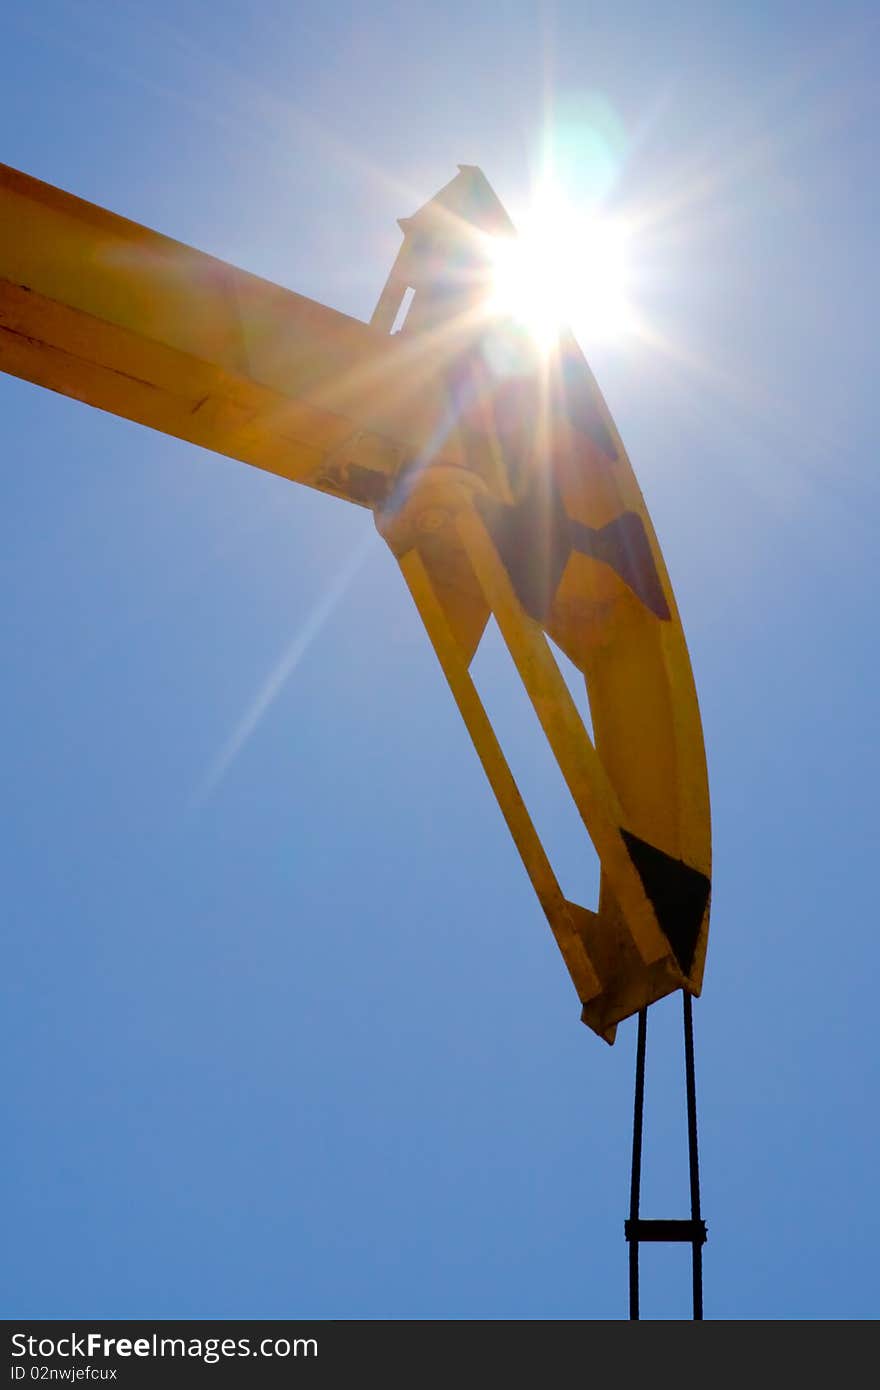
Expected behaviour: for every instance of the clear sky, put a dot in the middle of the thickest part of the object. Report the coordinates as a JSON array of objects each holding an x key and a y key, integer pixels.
[{"x": 287, "y": 1032}]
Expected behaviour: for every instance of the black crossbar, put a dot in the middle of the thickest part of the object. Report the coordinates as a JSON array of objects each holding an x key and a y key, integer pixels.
[{"x": 691, "y": 1232}]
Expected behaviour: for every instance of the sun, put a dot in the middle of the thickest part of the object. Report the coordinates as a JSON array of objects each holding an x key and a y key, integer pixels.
[{"x": 564, "y": 270}]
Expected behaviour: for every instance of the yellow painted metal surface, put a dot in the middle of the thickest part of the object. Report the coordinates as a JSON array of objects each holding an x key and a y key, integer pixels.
[
  {"x": 99, "y": 308},
  {"x": 495, "y": 474}
]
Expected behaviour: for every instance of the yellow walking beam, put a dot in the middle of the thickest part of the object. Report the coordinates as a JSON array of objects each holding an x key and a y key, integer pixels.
[
  {"x": 494, "y": 472},
  {"x": 113, "y": 314}
]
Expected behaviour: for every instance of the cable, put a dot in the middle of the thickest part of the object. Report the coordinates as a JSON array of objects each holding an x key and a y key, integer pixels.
[
  {"x": 636, "y": 1176},
  {"x": 693, "y": 1155}
]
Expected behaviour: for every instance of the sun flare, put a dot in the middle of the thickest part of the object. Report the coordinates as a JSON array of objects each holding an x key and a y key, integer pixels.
[{"x": 564, "y": 270}]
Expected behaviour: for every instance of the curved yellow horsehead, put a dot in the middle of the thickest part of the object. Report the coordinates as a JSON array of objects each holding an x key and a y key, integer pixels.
[
  {"x": 540, "y": 522},
  {"x": 498, "y": 480}
]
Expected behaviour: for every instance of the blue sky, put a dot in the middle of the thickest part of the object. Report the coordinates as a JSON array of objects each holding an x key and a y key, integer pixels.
[{"x": 287, "y": 1033}]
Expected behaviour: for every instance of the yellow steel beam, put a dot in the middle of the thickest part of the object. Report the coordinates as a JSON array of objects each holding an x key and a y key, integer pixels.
[
  {"x": 497, "y": 478},
  {"x": 111, "y": 313},
  {"x": 593, "y": 795},
  {"x": 538, "y": 867}
]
